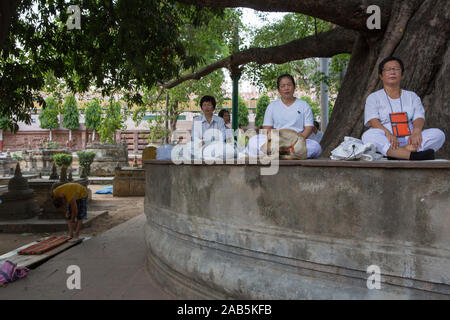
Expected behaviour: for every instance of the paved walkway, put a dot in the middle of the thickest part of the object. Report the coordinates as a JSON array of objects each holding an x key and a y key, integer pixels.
[{"x": 113, "y": 266}]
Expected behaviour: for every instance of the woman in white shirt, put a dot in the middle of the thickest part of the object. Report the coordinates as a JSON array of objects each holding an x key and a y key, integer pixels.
[
  {"x": 207, "y": 127},
  {"x": 413, "y": 143},
  {"x": 291, "y": 113}
]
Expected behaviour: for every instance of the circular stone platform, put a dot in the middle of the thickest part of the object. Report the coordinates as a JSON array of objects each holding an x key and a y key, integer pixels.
[{"x": 308, "y": 232}]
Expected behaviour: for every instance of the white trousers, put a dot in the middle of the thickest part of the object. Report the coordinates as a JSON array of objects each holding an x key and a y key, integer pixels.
[
  {"x": 431, "y": 139},
  {"x": 313, "y": 149}
]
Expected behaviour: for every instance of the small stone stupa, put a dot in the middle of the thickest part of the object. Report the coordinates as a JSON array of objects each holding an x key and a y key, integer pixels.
[
  {"x": 54, "y": 174},
  {"x": 18, "y": 203}
]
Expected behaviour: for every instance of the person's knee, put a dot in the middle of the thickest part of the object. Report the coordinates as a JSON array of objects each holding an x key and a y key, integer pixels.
[
  {"x": 440, "y": 135},
  {"x": 314, "y": 149},
  {"x": 434, "y": 136},
  {"x": 371, "y": 134}
]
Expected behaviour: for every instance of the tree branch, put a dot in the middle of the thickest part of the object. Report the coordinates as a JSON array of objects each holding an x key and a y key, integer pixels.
[
  {"x": 349, "y": 14},
  {"x": 326, "y": 44}
]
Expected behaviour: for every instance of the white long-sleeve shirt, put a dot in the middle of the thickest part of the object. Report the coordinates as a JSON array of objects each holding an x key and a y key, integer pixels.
[{"x": 206, "y": 132}]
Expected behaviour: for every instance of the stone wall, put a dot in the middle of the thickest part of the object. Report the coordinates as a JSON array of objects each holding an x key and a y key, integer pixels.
[
  {"x": 25, "y": 139},
  {"x": 308, "y": 232},
  {"x": 107, "y": 158},
  {"x": 129, "y": 182}
]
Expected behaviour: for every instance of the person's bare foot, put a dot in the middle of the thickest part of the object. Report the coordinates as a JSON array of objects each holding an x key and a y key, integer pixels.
[{"x": 411, "y": 148}]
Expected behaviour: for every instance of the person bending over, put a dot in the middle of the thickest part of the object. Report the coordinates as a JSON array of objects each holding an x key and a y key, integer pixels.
[{"x": 73, "y": 198}]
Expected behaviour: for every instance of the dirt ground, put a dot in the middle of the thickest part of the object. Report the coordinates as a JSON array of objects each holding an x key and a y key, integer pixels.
[{"x": 119, "y": 210}]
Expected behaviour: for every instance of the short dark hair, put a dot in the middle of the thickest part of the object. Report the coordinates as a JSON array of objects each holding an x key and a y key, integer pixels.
[
  {"x": 285, "y": 75},
  {"x": 390, "y": 58},
  {"x": 58, "y": 202},
  {"x": 208, "y": 99},
  {"x": 316, "y": 124},
  {"x": 222, "y": 112}
]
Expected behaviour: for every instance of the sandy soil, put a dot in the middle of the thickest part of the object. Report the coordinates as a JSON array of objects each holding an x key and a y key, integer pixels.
[{"x": 119, "y": 211}]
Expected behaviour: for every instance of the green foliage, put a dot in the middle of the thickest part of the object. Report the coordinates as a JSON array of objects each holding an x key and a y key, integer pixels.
[
  {"x": 62, "y": 159},
  {"x": 93, "y": 115},
  {"x": 158, "y": 129},
  {"x": 111, "y": 122},
  {"x": 71, "y": 119},
  {"x": 127, "y": 44},
  {"x": 51, "y": 145},
  {"x": 293, "y": 26},
  {"x": 85, "y": 159},
  {"x": 308, "y": 76},
  {"x": 210, "y": 43},
  {"x": 242, "y": 113},
  {"x": 17, "y": 157},
  {"x": 48, "y": 117},
  {"x": 261, "y": 107}
]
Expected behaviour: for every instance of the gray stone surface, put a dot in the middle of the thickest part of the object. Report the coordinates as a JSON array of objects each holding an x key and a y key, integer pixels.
[
  {"x": 113, "y": 266},
  {"x": 7, "y": 165},
  {"x": 37, "y": 225},
  {"x": 129, "y": 182},
  {"x": 107, "y": 158},
  {"x": 18, "y": 203},
  {"x": 40, "y": 161},
  {"x": 308, "y": 232}
]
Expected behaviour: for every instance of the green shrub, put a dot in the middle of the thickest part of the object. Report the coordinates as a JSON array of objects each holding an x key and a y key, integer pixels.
[
  {"x": 17, "y": 157},
  {"x": 62, "y": 159},
  {"x": 51, "y": 145},
  {"x": 261, "y": 107},
  {"x": 85, "y": 159}
]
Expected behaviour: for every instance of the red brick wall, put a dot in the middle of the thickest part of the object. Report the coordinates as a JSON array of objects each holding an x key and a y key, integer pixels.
[{"x": 23, "y": 139}]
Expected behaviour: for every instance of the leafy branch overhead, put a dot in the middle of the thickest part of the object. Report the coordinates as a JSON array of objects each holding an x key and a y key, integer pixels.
[{"x": 130, "y": 44}]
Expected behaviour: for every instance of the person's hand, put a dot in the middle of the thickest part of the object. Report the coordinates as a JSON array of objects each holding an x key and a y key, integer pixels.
[
  {"x": 67, "y": 214},
  {"x": 392, "y": 140},
  {"x": 415, "y": 139}
]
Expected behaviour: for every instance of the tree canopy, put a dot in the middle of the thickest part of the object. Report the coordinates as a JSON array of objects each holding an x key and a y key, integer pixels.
[
  {"x": 71, "y": 116},
  {"x": 139, "y": 43},
  {"x": 416, "y": 31},
  {"x": 128, "y": 44},
  {"x": 48, "y": 118},
  {"x": 93, "y": 115}
]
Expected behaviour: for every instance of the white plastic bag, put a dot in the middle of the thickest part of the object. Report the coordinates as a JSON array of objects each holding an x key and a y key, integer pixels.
[{"x": 353, "y": 149}]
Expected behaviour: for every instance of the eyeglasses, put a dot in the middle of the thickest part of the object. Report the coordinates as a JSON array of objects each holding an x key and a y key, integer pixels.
[{"x": 392, "y": 69}]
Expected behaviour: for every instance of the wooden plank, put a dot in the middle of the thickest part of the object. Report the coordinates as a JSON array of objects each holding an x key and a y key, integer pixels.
[
  {"x": 44, "y": 246},
  {"x": 29, "y": 260}
]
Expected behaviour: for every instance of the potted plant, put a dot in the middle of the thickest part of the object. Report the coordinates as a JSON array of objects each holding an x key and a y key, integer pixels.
[
  {"x": 63, "y": 161},
  {"x": 85, "y": 159}
]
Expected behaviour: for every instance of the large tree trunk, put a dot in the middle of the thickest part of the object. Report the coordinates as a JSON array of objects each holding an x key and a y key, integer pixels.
[
  {"x": 173, "y": 117},
  {"x": 7, "y": 10},
  {"x": 422, "y": 43}
]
